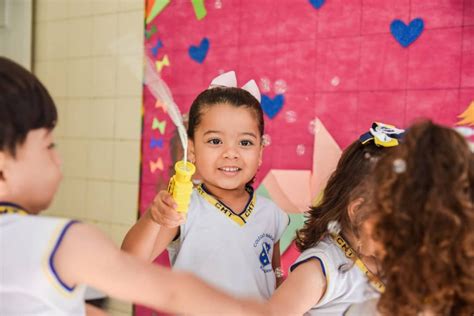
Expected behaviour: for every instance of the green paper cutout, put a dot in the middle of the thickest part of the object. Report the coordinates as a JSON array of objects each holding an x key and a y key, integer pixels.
[
  {"x": 199, "y": 9},
  {"x": 261, "y": 190},
  {"x": 156, "y": 124},
  {"x": 157, "y": 8},
  {"x": 150, "y": 32},
  {"x": 296, "y": 223}
]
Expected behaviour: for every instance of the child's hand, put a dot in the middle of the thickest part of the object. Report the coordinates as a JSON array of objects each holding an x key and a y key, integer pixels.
[{"x": 163, "y": 211}]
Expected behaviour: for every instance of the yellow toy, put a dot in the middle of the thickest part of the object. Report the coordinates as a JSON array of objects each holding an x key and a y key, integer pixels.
[{"x": 181, "y": 186}]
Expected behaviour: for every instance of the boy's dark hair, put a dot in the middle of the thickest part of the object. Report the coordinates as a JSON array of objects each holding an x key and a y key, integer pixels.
[
  {"x": 25, "y": 105},
  {"x": 228, "y": 95},
  {"x": 353, "y": 169}
]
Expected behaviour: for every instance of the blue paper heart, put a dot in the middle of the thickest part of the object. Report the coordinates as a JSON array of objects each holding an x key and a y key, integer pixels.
[
  {"x": 317, "y": 3},
  {"x": 270, "y": 106},
  {"x": 198, "y": 53},
  {"x": 404, "y": 34}
]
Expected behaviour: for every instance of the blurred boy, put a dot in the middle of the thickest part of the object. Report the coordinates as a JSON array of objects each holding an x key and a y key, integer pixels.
[{"x": 45, "y": 261}]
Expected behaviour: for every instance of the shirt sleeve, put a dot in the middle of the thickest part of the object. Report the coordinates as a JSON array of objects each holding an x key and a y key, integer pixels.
[
  {"x": 321, "y": 254},
  {"x": 283, "y": 220},
  {"x": 311, "y": 254}
]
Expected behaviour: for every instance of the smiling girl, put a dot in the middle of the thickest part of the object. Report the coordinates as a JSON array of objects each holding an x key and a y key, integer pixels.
[{"x": 230, "y": 236}]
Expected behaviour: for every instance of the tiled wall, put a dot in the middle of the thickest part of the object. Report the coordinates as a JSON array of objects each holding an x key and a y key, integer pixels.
[{"x": 89, "y": 55}]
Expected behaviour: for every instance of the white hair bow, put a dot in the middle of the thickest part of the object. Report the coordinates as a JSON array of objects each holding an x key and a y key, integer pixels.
[{"x": 229, "y": 79}]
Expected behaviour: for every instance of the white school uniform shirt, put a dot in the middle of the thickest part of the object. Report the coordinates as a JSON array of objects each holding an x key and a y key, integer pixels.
[
  {"x": 29, "y": 284},
  {"x": 231, "y": 252},
  {"x": 344, "y": 287},
  {"x": 367, "y": 308}
]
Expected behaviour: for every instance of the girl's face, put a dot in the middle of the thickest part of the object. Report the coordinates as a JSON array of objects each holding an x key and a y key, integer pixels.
[
  {"x": 227, "y": 147},
  {"x": 369, "y": 245}
]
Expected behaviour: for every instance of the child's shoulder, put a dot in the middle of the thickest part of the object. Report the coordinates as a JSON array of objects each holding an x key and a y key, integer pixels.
[
  {"x": 38, "y": 228},
  {"x": 266, "y": 203},
  {"x": 266, "y": 206},
  {"x": 324, "y": 252},
  {"x": 34, "y": 220},
  {"x": 327, "y": 251},
  {"x": 324, "y": 246}
]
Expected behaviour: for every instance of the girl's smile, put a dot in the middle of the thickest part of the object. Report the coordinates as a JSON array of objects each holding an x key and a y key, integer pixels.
[
  {"x": 230, "y": 171},
  {"x": 227, "y": 148}
]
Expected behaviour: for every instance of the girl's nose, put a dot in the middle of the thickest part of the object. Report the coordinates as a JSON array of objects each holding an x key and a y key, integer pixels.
[{"x": 231, "y": 152}]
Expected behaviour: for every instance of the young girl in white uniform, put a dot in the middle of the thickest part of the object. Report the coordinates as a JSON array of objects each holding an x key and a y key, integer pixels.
[
  {"x": 422, "y": 224},
  {"x": 336, "y": 267},
  {"x": 230, "y": 236}
]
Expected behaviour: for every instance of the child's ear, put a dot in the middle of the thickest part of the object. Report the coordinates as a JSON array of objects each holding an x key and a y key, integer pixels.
[
  {"x": 3, "y": 159},
  {"x": 353, "y": 208},
  {"x": 191, "y": 155},
  {"x": 260, "y": 158}
]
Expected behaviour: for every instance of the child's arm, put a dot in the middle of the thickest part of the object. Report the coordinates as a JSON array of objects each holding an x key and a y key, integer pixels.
[
  {"x": 276, "y": 263},
  {"x": 155, "y": 229},
  {"x": 91, "y": 310},
  {"x": 302, "y": 289},
  {"x": 86, "y": 255}
]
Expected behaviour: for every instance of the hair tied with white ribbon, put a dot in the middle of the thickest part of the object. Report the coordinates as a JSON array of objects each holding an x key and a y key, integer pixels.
[{"x": 229, "y": 79}]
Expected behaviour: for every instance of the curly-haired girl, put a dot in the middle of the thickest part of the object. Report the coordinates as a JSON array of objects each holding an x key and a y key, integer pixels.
[{"x": 424, "y": 222}]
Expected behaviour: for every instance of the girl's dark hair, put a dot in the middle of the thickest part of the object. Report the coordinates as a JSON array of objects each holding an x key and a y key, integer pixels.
[
  {"x": 25, "y": 105},
  {"x": 425, "y": 223},
  {"x": 353, "y": 168},
  {"x": 233, "y": 96}
]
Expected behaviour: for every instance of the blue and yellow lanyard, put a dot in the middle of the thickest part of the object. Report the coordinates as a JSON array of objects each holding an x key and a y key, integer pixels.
[
  {"x": 351, "y": 254},
  {"x": 240, "y": 219},
  {"x": 10, "y": 208}
]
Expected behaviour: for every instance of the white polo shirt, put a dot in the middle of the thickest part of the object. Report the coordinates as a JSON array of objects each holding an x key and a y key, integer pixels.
[
  {"x": 232, "y": 252},
  {"x": 29, "y": 284},
  {"x": 346, "y": 283}
]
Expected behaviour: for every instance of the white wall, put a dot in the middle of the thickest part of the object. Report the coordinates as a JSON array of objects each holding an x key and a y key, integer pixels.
[
  {"x": 15, "y": 30},
  {"x": 89, "y": 55}
]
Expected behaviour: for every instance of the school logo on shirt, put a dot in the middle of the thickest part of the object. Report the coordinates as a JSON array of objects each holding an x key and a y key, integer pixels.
[
  {"x": 263, "y": 244},
  {"x": 264, "y": 254}
]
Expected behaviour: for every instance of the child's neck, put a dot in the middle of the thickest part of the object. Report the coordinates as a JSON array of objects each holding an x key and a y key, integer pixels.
[
  {"x": 236, "y": 199},
  {"x": 10, "y": 208},
  {"x": 369, "y": 261}
]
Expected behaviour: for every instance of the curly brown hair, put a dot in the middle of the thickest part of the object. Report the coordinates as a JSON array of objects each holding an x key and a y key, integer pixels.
[
  {"x": 353, "y": 168},
  {"x": 423, "y": 205}
]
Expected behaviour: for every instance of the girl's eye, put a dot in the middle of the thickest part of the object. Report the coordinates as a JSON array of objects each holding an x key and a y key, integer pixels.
[
  {"x": 52, "y": 146},
  {"x": 214, "y": 141},
  {"x": 246, "y": 143}
]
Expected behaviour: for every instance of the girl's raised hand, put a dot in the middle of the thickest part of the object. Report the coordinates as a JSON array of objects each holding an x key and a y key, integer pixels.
[{"x": 163, "y": 211}]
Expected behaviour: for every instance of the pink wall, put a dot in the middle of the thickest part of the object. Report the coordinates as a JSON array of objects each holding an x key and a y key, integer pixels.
[{"x": 339, "y": 63}]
